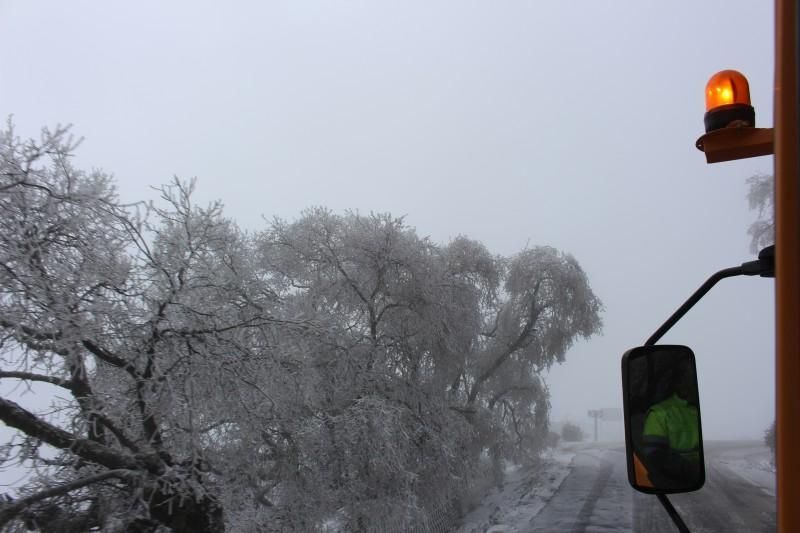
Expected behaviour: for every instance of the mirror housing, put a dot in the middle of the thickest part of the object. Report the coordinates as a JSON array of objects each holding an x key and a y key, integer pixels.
[{"x": 663, "y": 435}]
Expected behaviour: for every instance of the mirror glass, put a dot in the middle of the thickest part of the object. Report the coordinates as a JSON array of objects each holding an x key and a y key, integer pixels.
[{"x": 663, "y": 434}]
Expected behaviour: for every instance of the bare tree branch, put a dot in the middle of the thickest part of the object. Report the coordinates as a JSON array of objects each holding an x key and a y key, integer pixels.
[
  {"x": 30, "y": 332},
  {"x": 9, "y": 510},
  {"x": 107, "y": 357},
  {"x": 28, "y": 376},
  {"x": 18, "y": 417}
]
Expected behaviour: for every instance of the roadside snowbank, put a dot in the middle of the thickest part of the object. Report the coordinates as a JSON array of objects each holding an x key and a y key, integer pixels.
[
  {"x": 753, "y": 463},
  {"x": 524, "y": 494}
]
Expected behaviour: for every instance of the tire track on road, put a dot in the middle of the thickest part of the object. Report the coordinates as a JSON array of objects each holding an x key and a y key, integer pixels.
[{"x": 594, "y": 495}]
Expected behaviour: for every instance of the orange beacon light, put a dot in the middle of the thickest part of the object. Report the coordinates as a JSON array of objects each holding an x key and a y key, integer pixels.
[{"x": 728, "y": 102}]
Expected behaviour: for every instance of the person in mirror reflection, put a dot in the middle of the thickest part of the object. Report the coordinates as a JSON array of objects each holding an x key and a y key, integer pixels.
[{"x": 671, "y": 436}]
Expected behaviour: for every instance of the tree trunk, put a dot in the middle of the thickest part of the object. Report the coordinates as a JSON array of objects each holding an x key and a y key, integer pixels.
[{"x": 204, "y": 516}]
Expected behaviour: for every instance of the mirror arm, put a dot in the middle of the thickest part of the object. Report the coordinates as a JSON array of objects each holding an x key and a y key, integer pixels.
[
  {"x": 693, "y": 299},
  {"x": 764, "y": 266},
  {"x": 673, "y": 513}
]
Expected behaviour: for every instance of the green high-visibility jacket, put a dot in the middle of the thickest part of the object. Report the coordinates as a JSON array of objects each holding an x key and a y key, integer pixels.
[{"x": 674, "y": 422}]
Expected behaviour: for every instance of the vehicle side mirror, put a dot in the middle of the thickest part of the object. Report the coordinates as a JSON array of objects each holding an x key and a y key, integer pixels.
[{"x": 663, "y": 436}]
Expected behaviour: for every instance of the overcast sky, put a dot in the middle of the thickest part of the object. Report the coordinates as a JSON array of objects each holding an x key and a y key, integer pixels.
[{"x": 516, "y": 123}]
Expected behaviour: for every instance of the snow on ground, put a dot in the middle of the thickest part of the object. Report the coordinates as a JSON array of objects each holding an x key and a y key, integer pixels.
[
  {"x": 753, "y": 463},
  {"x": 524, "y": 494},
  {"x": 584, "y": 487}
]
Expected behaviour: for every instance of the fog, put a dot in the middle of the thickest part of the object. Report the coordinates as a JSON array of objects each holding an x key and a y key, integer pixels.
[{"x": 515, "y": 123}]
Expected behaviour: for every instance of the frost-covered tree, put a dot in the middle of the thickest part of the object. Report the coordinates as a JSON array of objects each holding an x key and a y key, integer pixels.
[
  {"x": 545, "y": 305},
  {"x": 761, "y": 197},
  {"x": 453, "y": 323},
  {"x": 389, "y": 444},
  {"x": 337, "y": 369},
  {"x": 148, "y": 326}
]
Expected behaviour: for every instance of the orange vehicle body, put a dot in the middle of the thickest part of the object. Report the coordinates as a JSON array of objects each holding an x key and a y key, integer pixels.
[{"x": 787, "y": 266}]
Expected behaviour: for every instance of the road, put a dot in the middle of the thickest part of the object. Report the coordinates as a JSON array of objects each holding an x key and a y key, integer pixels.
[{"x": 596, "y": 497}]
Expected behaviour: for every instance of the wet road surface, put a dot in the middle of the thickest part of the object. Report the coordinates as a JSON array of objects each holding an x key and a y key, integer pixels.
[{"x": 596, "y": 497}]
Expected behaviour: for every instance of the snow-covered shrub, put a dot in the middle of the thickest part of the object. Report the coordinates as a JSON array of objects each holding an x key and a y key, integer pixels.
[{"x": 571, "y": 432}]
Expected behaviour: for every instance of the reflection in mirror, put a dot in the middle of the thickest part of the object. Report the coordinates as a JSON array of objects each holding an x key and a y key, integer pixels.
[{"x": 662, "y": 419}]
